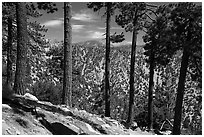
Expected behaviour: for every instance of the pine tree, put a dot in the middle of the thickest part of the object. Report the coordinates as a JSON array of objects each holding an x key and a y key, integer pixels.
[
  {"x": 22, "y": 39},
  {"x": 110, "y": 7},
  {"x": 178, "y": 28},
  {"x": 131, "y": 17},
  {"x": 67, "y": 76},
  {"x": 8, "y": 38},
  {"x": 36, "y": 40},
  {"x": 150, "y": 91},
  {"x": 186, "y": 19},
  {"x": 152, "y": 40},
  {"x": 107, "y": 63},
  {"x": 10, "y": 44}
]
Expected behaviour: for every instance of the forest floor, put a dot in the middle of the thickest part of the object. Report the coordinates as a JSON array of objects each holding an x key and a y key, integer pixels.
[{"x": 24, "y": 116}]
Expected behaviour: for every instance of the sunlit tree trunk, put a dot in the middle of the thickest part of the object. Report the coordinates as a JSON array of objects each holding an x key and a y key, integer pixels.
[
  {"x": 67, "y": 75},
  {"x": 21, "y": 62}
]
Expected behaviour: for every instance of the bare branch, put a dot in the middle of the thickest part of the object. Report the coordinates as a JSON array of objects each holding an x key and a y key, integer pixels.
[
  {"x": 149, "y": 17},
  {"x": 140, "y": 15},
  {"x": 144, "y": 30},
  {"x": 151, "y": 5},
  {"x": 152, "y": 11}
]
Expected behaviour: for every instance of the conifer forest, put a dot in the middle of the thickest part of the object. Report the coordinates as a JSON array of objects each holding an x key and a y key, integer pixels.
[{"x": 139, "y": 63}]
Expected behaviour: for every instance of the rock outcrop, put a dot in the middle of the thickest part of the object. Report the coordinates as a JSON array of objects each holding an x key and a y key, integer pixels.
[{"x": 26, "y": 115}]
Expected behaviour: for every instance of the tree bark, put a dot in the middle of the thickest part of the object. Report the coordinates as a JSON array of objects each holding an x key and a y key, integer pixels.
[
  {"x": 9, "y": 51},
  {"x": 67, "y": 75},
  {"x": 180, "y": 92},
  {"x": 107, "y": 62},
  {"x": 132, "y": 69},
  {"x": 21, "y": 62},
  {"x": 151, "y": 86}
]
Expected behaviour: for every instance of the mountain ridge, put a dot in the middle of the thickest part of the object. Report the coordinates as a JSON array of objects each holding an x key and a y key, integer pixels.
[{"x": 96, "y": 43}]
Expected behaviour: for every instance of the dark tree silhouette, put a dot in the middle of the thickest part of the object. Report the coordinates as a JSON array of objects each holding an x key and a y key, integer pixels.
[
  {"x": 50, "y": 7},
  {"x": 8, "y": 19},
  {"x": 107, "y": 62},
  {"x": 110, "y": 7},
  {"x": 151, "y": 47},
  {"x": 178, "y": 27},
  {"x": 131, "y": 14},
  {"x": 187, "y": 22},
  {"x": 9, "y": 49},
  {"x": 132, "y": 68},
  {"x": 150, "y": 94},
  {"x": 180, "y": 92}
]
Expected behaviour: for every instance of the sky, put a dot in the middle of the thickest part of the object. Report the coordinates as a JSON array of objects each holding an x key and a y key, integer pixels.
[{"x": 86, "y": 24}]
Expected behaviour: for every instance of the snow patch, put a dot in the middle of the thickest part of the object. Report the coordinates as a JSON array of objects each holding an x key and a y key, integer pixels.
[
  {"x": 6, "y": 106},
  {"x": 90, "y": 128},
  {"x": 30, "y": 96},
  {"x": 106, "y": 126}
]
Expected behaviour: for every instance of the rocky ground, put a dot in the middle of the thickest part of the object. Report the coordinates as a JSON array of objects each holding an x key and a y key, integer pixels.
[{"x": 25, "y": 115}]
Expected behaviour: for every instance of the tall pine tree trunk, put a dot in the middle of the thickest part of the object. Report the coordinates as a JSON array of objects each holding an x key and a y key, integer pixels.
[
  {"x": 180, "y": 92},
  {"x": 132, "y": 69},
  {"x": 9, "y": 52},
  {"x": 151, "y": 86},
  {"x": 21, "y": 62},
  {"x": 107, "y": 63},
  {"x": 67, "y": 75}
]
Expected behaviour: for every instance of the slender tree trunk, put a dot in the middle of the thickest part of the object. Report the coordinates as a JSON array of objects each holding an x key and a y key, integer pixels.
[
  {"x": 9, "y": 52},
  {"x": 67, "y": 78},
  {"x": 107, "y": 63},
  {"x": 151, "y": 86},
  {"x": 180, "y": 92},
  {"x": 21, "y": 62},
  {"x": 132, "y": 69}
]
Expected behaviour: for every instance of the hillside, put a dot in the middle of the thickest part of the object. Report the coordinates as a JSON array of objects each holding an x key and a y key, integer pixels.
[
  {"x": 86, "y": 117},
  {"x": 89, "y": 61},
  {"x": 88, "y": 84},
  {"x": 26, "y": 115},
  {"x": 87, "y": 95}
]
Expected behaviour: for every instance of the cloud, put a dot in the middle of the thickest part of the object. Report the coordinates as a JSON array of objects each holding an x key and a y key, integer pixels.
[
  {"x": 116, "y": 28},
  {"x": 59, "y": 22},
  {"x": 122, "y": 43},
  {"x": 95, "y": 35},
  {"x": 101, "y": 28},
  {"x": 88, "y": 35},
  {"x": 77, "y": 28},
  {"x": 112, "y": 28},
  {"x": 85, "y": 15},
  {"x": 53, "y": 23}
]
